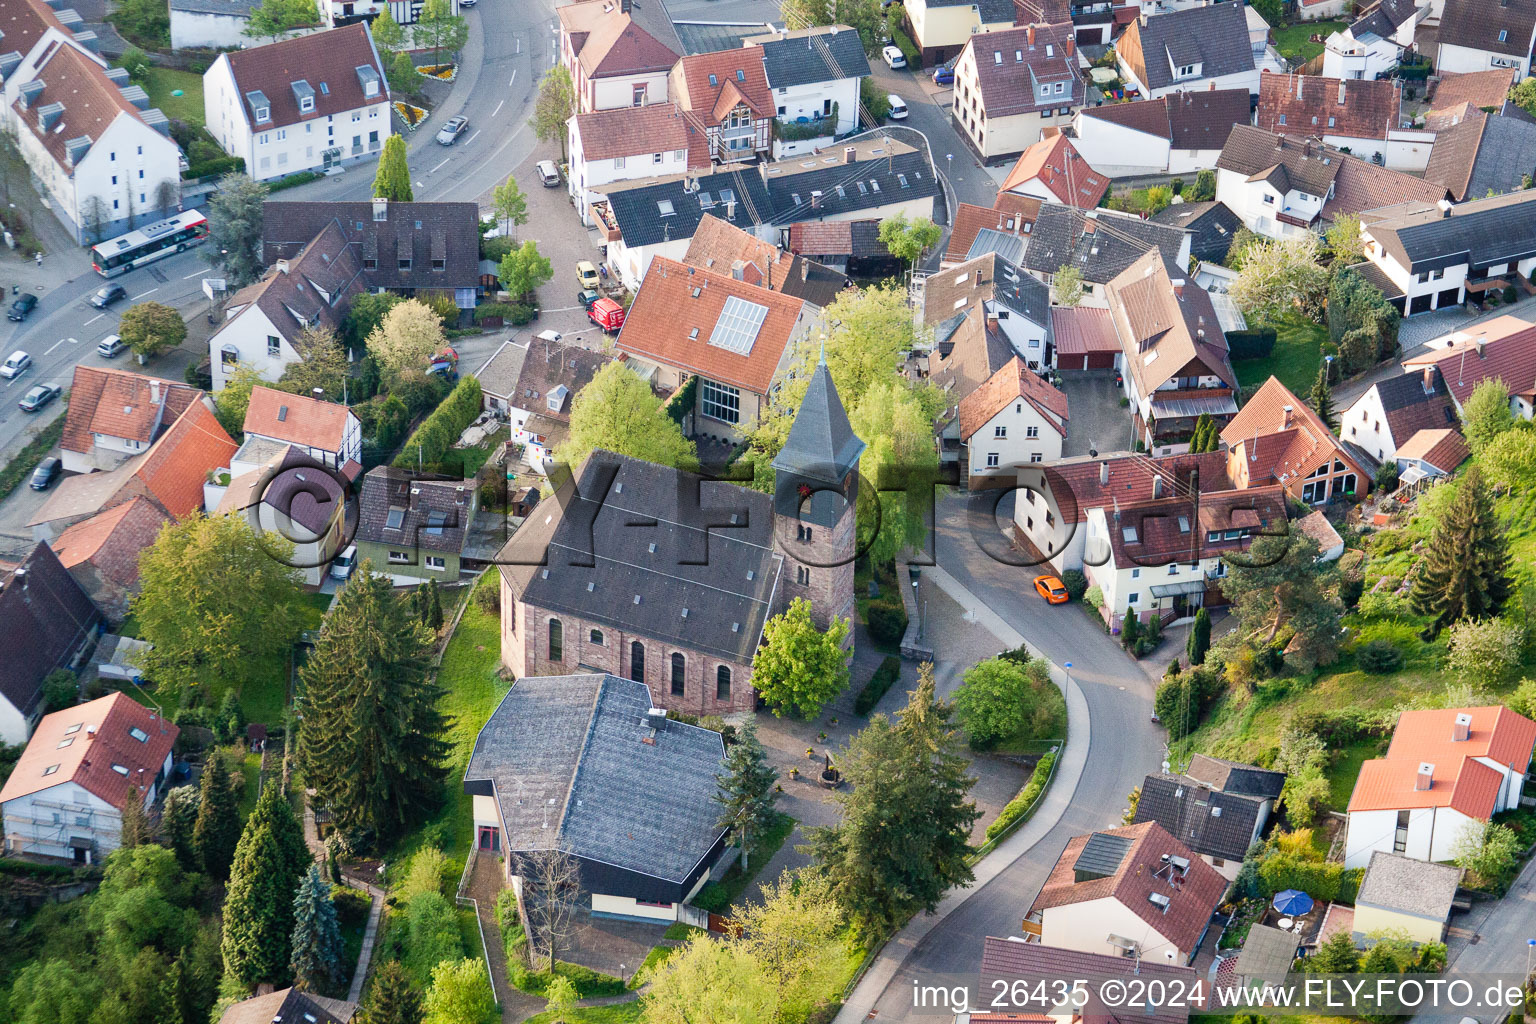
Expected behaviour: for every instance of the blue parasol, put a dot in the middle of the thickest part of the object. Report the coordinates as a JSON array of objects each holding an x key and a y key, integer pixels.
[{"x": 1292, "y": 902}]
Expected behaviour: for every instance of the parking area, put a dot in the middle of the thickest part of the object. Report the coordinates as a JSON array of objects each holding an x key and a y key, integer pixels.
[{"x": 1095, "y": 420}]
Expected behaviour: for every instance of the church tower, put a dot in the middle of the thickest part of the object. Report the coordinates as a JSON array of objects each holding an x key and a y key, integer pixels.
[{"x": 815, "y": 503}]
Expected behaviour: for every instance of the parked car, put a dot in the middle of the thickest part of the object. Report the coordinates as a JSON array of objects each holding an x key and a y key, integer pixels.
[
  {"x": 17, "y": 364},
  {"x": 586, "y": 274},
  {"x": 898, "y": 106},
  {"x": 894, "y": 58},
  {"x": 607, "y": 314},
  {"x": 22, "y": 306},
  {"x": 46, "y": 473},
  {"x": 586, "y": 297},
  {"x": 111, "y": 347},
  {"x": 1052, "y": 589},
  {"x": 39, "y": 396},
  {"x": 553, "y": 337},
  {"x": 343, "y": 564},
  {"x": 108, "y": 294},
  {"x": 452, "y": 128},
  {"x": 943, "y": 75},
  {"x": 549, "y": 174}
]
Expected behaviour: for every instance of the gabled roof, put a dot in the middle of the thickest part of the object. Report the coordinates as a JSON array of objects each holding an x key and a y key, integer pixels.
[
  {"x": 632, "y": 131},
  {"x": 571, "y": 761},
  {"x": 1182, "y": 527},
  {"x": 1445, "y": 449},
  {"x": 970, "y": 356},
  {"x": 1381, "y": 19},
  {"x": 24, "y": 22},
  {"x": 1014, "y": 382},
  {"x": 120, "y": 403},
  {"x": 711, "y": 85},
  {"x": 322, "y": 274},
  {"x": 674, "y": 594},
  {"x": 328, "y": 62},
  {"x": 1493, "y": 26},
  {"x": 175, "y": 467},
  {"x": 1235, "y": 777},
  {"x": 1362, "y": 185},
  {"x": 1013, "y": 63},
  {"x": 669, "y": 209},
  {"x": 1013, "y": 960},
  {"x": 1408, "y": 406},
  {"x": 498, "y": 374},
  {"x": 1165, "y": 328},
  {"x": 47, "y": 618},
  {"x": 710, "y": 324},
  {"x": 1197, "y": 120},
  {"x": 291, "y": 483},
  {"x": 399, "y": 508},
  {"x": 1302, "y": 441},
  {"x": 90, "y": 103},
  {"x": 1308, "y": 166},
  {"x": 1011, "y": 213},
  {"x": 953, "y": 291},
  {"x": 609, "y": 41},
  {"x": 1208, "y": 821},
  {"x": 810, "y": 56},
  {"x": 1482, "y": 232},
  {"x": 721, "y": 246},
  {"x": 1503, "y": 348},
  {"x": 1211, "y": 225},
  {"x": 1359, "y": 109},
  {"x": 112, "y": 540},
  {"x": 1137, "y": 874},
  {"x": 1083, "y": 483},
  {"x": 548, "y": 367},
  {"x": 441, "y": 239},
  {"x": 1455, "y": 92},
  {"x": 1485, "y": 152},
  {"x": 305, "y": 421},
  {"x": 1099, "y": 243},
  {"x": 887, "y": 171},
  {"x": 1214, "y": 37},
  {"x": 97, "y": 746},
  {"x": 289, "y": 1004},
  {"x": 1059, "y": 168},
  {"x": 1408, "y": 885},
  {"x": 1458, "y": 778}
]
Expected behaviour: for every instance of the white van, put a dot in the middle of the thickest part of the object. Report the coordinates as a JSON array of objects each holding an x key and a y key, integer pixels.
[
  {"x": 343, "y": 564},
  {"x": 898, "y": 107},
  {"x": 549, "y": 174}
]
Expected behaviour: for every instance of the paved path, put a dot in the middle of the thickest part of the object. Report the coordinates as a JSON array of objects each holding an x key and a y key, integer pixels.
[
  {"x": 484, "y": 883},
  {"x": 365, "y": 955}
]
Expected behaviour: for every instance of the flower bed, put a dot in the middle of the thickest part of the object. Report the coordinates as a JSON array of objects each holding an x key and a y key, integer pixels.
[
  {"x": 411, "y": 115},
  {"x": 441, "y": 72}
]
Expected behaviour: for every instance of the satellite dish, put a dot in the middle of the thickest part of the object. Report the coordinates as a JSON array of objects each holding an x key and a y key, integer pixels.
[{"x": 1166, "y": 766}]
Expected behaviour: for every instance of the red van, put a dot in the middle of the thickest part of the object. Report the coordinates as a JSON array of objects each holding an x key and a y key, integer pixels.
[{"x": 607, "y": 314}]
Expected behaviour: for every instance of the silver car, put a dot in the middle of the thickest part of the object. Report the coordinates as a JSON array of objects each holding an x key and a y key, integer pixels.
[{"x": 449, "y": 133}]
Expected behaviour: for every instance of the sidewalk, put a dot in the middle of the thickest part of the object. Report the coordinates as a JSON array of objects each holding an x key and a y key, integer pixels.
[{"x": 1069, "y": 770}]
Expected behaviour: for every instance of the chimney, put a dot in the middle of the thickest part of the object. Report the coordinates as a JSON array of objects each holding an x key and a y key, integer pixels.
[
  {"x": 1298, "y": 87},
  {"x": 319, "y": 394},
  {"x": 1480, "y": 343},
  {"x": 1429, "y": 380},
  {"x": 282, "y": 266},
  {"x": 978, "y": 278},
  {"x": 815, "y": 199},
  {"x": 624, "y": 6},
  {"x": 1104, "y": 474},
  {"x": 850, "y": 154},
  {"x": 805, "y": 269},
  {"x": 730, "y": 209},
  {"x": 458, "y": 495},
  {"x": 1341, "y": 92},
  {"x": 1178, "y": 287},
  {"x": 1445, "y": 208},
  {"x": 1210, "y": 86},
  {"x": 1157, "y": 487},
  {"x": 1426, "y": 777},
  {"x": 1142, "y": 17},
  {"x": 154, "y": 392},
  {"x": 1068, "y": 47},
  {"x": 1030, "y": 33},
  {"x": 1462, "y": 730},
  {"x": 992, "y": 322},
  {"x": 1306, "y": 148},
  {"x": 738, "y": 269},
  {"x": 1288, "y": 411}
]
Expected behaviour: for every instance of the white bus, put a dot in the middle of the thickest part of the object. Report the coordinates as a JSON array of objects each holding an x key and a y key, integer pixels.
[{"x": 149, "y": 243}]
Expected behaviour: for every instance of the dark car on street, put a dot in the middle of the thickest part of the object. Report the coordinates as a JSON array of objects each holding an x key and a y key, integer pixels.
[
  {"x": 108, "y": 294},
  {"x": 39, "y": 396},
  {"x": 22, "y": 306},
  {"x": 46, "y": 473},
  {"x": 586, "y": 297}
]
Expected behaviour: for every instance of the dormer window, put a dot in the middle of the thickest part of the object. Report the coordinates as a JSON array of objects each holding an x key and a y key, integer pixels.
[
  {"x": 263, "y": 114},
  {"x": 307, "y": 105}
]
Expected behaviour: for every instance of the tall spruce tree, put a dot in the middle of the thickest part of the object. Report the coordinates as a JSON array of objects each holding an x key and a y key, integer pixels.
[
  {"x": 317, "y": 948},
  {"x": 1199, "y": 638},
  {"x": 434, "y": 612},
  {"x": 216, "y": 831},
  {"x": 1322, "y": 399},
  {"x": 372, "y": 741},
  {"x": 274, "y": 810},
  {"x": 906, "y": 822},
  {"x": 392, "y": 999},
  {"x": 178, "y": 815},
  {"x": 393, "y": 179},
  {"x": 1464, "y": 574},
  {"x": 258, "y": 910},
  {"x": 746, "y": 793}
]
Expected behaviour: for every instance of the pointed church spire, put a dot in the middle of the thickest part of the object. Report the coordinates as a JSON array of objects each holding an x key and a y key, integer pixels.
[{"x": 821, "y": 444}]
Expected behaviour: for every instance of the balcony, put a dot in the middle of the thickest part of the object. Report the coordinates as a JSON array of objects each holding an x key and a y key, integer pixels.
[
  {"x": 607, "y": 226},
  {"x": 1285, "y": 217}
]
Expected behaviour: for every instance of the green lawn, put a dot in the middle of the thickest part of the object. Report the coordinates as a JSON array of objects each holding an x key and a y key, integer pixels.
[
  {"x": 250, "y": 772},
  {"x": 1297, "y": 354},
  {"x": 265, "y": 699},
  {"x": 161, "y": 83},
  {"x": 719, "y": 896},
  {"x": 475, "y": 457},
  {"x": 1295, "y": 40}
]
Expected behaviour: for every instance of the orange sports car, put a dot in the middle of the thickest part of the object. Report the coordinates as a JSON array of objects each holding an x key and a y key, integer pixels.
[{"x": 1052, "y": 589}]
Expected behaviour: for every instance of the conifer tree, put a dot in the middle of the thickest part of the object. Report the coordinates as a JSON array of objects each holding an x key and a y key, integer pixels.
[
  {"x": 746, "y": 793},
  {"x": 317, "y": 948},
  {"x": 1199, "y": 637},
  {"x": 392, "y": 999},
  {"x": 372, "y": 741},
  {"x": 258, "y": 910},
  {"x": 178, "y": 815},
  {"x": 434, "y": 615},
  {"x": 393, "y": 180},
  {"x": 1464, "y": 573},
  {"x": 172, "y": 1000},
  {"x": 1201, "y": 435},
  {"x": 1322, "y": 399},
  {"x": 216, "y": 831},
  {"x": 136, "y": 830}
]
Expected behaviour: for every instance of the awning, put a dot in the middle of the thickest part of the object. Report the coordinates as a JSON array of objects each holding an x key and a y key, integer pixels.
[
  {"x": 81, "y": 843},
  {"x": 1175, "y": 589},
  {"x": 1222, "y": 405}
]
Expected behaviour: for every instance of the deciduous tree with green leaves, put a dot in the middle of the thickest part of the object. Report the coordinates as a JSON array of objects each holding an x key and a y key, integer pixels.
[
  {"x": 275, "y": 17},
  {"x": 322, "y": 364},
  {"x": 387, "y": 33},
  {"x": 799, "y": 668},
  {"x": 406, "y": 338},
  {"x": 555, "y": 106},
  {"x": 136, "y": 830},
  {"x": 393, "y": 179},
  {"x": 151, "y": 328},
  {"x": 233, "y": 400},
  {"x": 364, "y": 316},
  {"x": 1343, "y": 241},
  {"x": 1067, "y": 285},
  {"x": 1281, "y": 278},
  {"x": 1361, "y": 322},
  {"x": 1486, "y": 414},
  {"x": 509, "y": 204},
  {"x": 909, "y": 240},
  {"x": 523, "y": 269},
  {"x": 1464, "y": 573},
  {"x": 994, "y": 700},
  {"x": 619, "y": 412},
  {"x": 460, "y": 994},
  {"x": 1524, "y": 95},
  {"x": 1509, "y": 459},
  {"x": 234, "y": 229},
  {"x": 1489, "y": 852},
  {"x": 441, "y": 29},
  {"x": 746, "y": 795}
]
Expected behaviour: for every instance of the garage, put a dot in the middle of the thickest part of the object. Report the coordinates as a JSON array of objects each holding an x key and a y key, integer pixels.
[{"x": 1084, "y": 338}]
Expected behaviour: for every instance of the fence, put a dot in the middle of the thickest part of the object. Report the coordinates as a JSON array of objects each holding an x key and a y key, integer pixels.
[
  {"x": 1059, "y": 747},
  {"x": 472, "y": 903}
]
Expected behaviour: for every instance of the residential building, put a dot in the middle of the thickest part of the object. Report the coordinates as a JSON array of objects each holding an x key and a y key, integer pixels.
[
  {"x": 1014, "y": 418},
  {"x": 172, "y": 473},
  {"x": 625, "y": 144},
  {"x": 114, "y": 415},
  {"x": 1405, "y": 896},
  {"x": 1374, "y": 41},
  {"x": 98, "y": 152},
  {"x": 1011, "y": 214},
  {"x": 1456, "y": 97},
  {"x": 724, "y": 248},
  {"x": 728, "y": 104},
  {"x": 1133, "y": 891},
  {"x": 346, "y": 12},
  {"x": 1218, "y": 808},
  {"x": 1011, "y": 85},
  {"x": 1502, "y": 349},
  {"x": 1483, "y": 154},
  {"x": 1360, "y": 116},
  {"x": 1014, "y": 304},
  {"x": 895, "y": 179},
  {"x": 1476, "y": 35},
  {"x": 942, "y": 28},
  {"x": 686, "y": 625},
  {"x": 498, "y": 377},
  {"x": 549, "y": 378},
  {"x": 412, "y": 529},
  {"x": 1278, "y": 438},
  {"x": 969, "y": 348},
  {"x": 843, "y": 246},
  {"x": 1173, "y": 354},
  {"x": 1392, "y": 411},
  {"x": 618, "y": 52},
  {"x": 102, "y": 552},
  {"x": 408, "y": 249},
  {"x": 1211, "y": 226},
  {"x": 587, "y": 764},
  {"x": 1315, "y": 525},
  {"x": 739, "y": 339},
  {"x": 1429, "y": 455},
  {"x": 49, "y": 621},
  {"x": 815, "y": 75},
  {"x": 1084, "y": 338},
  {"x": 1053, "y": 171},
  {"x": 1434, "y": 254},
  {"x": 66, "y": 795},
  {"x": 293, "y": 497},
  {"x": 1192, "y": 49},
  {"x": 1035, "y": 966},
  {"x": 308, "y": 103},
  {"x": 1100, "y": 244},
  {"x": 1177, "y": 133},
  {"x": 328, "y": 432},
  {"x": 290, "y": 1004},
  {"x": 1447, "y": 771}
]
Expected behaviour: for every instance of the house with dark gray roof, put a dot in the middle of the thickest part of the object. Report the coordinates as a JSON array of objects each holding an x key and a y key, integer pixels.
[
  {"x": 1100, "y": 244},
  {"x": 1391, "y": 411},
  {"x": 587, "y": 765},
  {"x": 873, "y": 176},
  {"x": 1476, "y": 35},
  {"x": 412, "y": 529},
  {"x": 814, "y": 73},
  {"x": 1486, "y": 153},
  {"x": 48, "y": 620},
  {"x": 1197, "y": 48},
  {"x": 1219, "y": 815},
  {"x": 1236, "y": 777},
  {"x": 1211, "y": 226},
  {"x": 1373, "y": 42}
]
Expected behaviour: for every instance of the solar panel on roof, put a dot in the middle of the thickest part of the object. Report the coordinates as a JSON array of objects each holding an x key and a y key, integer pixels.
[
  {"x": 736, "y": 330},
  {"x": 1100, "y": 857}
]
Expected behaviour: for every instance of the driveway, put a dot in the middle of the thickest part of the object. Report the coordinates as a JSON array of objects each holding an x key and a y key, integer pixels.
[{"x": 1095, "y": 421}]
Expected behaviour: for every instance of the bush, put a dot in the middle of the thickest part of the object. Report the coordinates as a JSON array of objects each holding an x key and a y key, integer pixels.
[
  {"x": 879, "y": 684},
  {"x": 521, "y": 315},
  {"x": 439, "y": 431},
  {"x": 1022, "y": 806},
  {"x": 1379, "y": 657},
  {"x": 908, "y": 49},
  {"x": 431, "y": 935},
  {"x": 887, "y": 622},
  {"x": 425, "y": 874},
  {"x": 494, "y": 249},
  {"x": 1322, "y": 880},
  {"x": 213, "y": 166},
  {"x": 25, "y": 461},
  {"x": 1386, "y": 476},
  {"x": 1258, "y": 344},
  {"x": 293, "y": 180},
  {"x": 589, "y": 983},
  {"x": 1176, "y": 186},
  {"x": 493, "y": 311},
  {"x": 488, "y": 599},
  {"x": 1076, "y": 583}
]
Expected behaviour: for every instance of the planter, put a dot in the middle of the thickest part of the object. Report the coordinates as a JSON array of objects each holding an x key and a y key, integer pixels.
[
  {"x": 830, "y": 778},
  {"x": 440, "y": 72},
  {"x": 411, "y": 115}
]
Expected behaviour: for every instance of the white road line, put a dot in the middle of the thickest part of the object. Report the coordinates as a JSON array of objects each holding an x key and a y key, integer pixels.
[
  {"x": 473, "y": 137},
  {"x": 139, "y": 296},
  {"x": 195, "y": 273},
  {"x": 517, "y": 44},
  {"x": 513, "y": 80},
  {"x": 562, "y": 309},
  {"x": 55, "y": 345},
  {"x": 439, "y": 166},
  {"x": 93, "y": 319},
  {"x": 498, "y": 108}
]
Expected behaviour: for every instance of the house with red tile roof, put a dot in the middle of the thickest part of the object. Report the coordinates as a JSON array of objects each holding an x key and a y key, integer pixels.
[
  {"x": 1010, "y": 214},
  {"x": 1447, "y": 771},
  {"x": 1502, "y": 349},
  {"x": 1133, "y": 891},
  {"x": 103, "y": 155},
  {"x": 102, "y": 552},
  {"x": 65, "y": 798},
  {"x": 1276, "y": 438},
  {"x": 1359, "y": 115},
  {"x": 727, "y": 102},
  {"x": 1179, "y": 133},
  {"x": 618, "y": 52},
  {"x": 328, "y": 432},
  {"x": 1015, "y": 417},
  {"x": 1053, "y": 171},
  {"x": 48, "y": 621},
  {"x": 1431, "y": 453},
  {"x": 300, "y": 104},
  {"x": 116, "y": 414},
  {"x": 624, "y": 144}
]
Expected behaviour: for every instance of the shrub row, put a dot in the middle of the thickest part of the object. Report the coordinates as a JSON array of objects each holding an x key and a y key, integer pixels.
[
  {"x": 514, "y": 313},
  {"x": 887, "y": 621},
  {"x": 439, "y": 431},
  {"x": 589, "y": 983},
  {"x": 21, "y": 867},
  {"x": 879, "y": 684},
  {"x": 25, "y": 461},
  {"x": 302, "y": 178},
  {"x": 1325, "y": 881},
  {"x": 1251, "y": 344},
  {"x": 1022, "y": 806},
  {"x": 216, "y": 165}
]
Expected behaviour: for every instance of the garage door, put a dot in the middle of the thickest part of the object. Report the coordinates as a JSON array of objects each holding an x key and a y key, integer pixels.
[{"x": 1100, "y": 361}]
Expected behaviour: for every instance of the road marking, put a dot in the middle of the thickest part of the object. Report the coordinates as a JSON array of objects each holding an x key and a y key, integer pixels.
[
  {"x": 139, "y": 296},
  {"x": 498, "y": 108},
  {"x": 55, "y": 345},
  {"x": 562, "y": 309},
  {"x": 472, "y": 138},
  {"x": 513, "y": 80},
  {"x": 517, "y": 45},
  {"x": 93, "y": 319},
  {"x": 439, "y": 166},
  {"x": 195, "y": 273}
]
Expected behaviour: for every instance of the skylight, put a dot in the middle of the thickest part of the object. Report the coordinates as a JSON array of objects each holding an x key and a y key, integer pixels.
[
  {"x": 138, "y": 734},
  {"x": 120, "y": 769},
  {"x": 664, "y": 207},
  {"x": 738, "y": 326},
  {"x": 435, "y": 521},
  {"x": 395, "y": 519}
]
